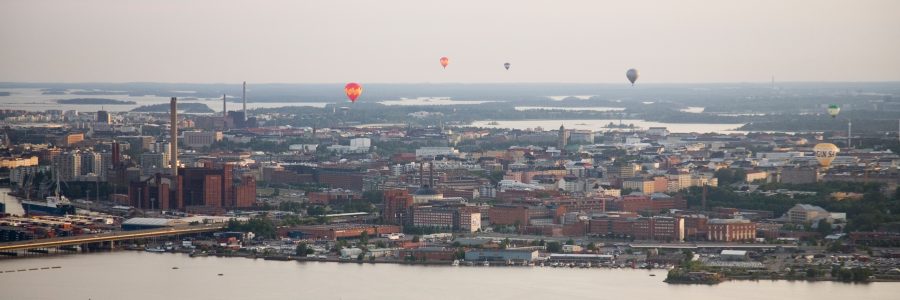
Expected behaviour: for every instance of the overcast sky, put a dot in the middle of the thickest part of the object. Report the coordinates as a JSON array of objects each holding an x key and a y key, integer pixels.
[{"x": 401, "y": 41}]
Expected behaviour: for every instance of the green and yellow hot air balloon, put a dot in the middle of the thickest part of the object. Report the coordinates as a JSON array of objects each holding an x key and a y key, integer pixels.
[{"x": 834, "y": 110}]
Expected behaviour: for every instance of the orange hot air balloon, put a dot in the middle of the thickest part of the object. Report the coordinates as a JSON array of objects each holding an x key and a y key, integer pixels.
[
  {"x": 445, "y": 61},
  {"x": 353, "y": 90}
]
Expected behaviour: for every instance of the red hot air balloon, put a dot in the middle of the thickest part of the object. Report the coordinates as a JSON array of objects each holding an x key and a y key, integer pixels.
[
  {"x": 353, "y": 90},
  {"x": 445, "y": 61}
]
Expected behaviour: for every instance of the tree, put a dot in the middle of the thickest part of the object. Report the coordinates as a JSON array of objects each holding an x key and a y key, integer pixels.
[
  {"x": 364, "y": 238},
  {"x": 316, "y": 210},
  {"x": 380, "y": 244},
  {"x": 570, "y": 242},
  {"x": 554, "y": 247},
  {"x": 303, "y": 250},
  {"x": 505, "y": 243},
  {"x": 415, "y": 239},
  {"x": 824, "y": 227}
]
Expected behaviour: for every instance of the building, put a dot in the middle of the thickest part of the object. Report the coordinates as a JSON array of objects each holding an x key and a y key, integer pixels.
[
  {"x": 200, "y": 139},
  {"x": 152, "y": 163},
  {"x": 361, "y": 143},
  {"x": 428, "y": 152},
  {"x": 731, "y": 230},
  {"x": 659, "y": 229},
  {"x": 640, "y": 184},
  {"x": 502, "y": 255},
  {"x": 520, "y": 215},
  {"x": 103, "y": 117},
  {"x": 581, "y": 137},
  {"x": 67, "y": 140},
  {"x": 15, "y": 162},
  {"x": 396, "y": 206},
  {"x": 456, "y": 218},
  {"x": 562, "y": 139},
  {"x": 340, "y": 231},
  {"x": 757, "y": 175},
  {"x": 433, "y": 217},
  {"x": 197, "y": 189},
  {"x": 68, "y": 165},
  {"x": 334, "y": 196},
  {"x": 805, "y": 213},
  {"x": 799, "y": 175}
]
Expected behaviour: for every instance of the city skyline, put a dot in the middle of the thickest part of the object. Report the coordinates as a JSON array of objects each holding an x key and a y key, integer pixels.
[{"x": 590, "y": 42}]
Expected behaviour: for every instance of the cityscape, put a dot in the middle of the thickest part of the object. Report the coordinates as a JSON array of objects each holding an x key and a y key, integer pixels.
[{"x": 465, "y": 181}]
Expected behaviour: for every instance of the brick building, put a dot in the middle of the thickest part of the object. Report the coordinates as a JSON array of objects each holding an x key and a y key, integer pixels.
[{"x": 731, "y": 230}]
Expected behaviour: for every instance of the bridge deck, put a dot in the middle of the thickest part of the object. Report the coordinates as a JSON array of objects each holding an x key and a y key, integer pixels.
[{"x": 106, "y": 237}]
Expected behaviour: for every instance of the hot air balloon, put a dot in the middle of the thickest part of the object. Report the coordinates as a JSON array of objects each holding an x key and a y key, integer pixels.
[
  {"x": 445, "y": 61},
  {"x": 834, "y": 110},
  {"x": 506, "y": 65},
  {"x": 632, "y": 75},
  {"x": 825, "y": 153},
  {"x": 353, "y": 90}
]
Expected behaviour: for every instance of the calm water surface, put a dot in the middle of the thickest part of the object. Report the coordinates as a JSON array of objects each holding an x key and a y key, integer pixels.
[
  {"x": 597, "y": 125},
  {"x": 30, "y": 99},
  {"x": 142, "y": 275}
]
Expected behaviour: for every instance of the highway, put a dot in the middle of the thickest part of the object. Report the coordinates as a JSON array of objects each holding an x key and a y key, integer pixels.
[{"x": 107, "y": 237}]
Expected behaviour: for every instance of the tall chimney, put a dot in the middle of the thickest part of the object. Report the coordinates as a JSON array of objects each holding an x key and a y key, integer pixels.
[
  {"x": 422, "y": 174},
  {"x": 224, "y": 108},
  {"x": 173, "y": 156},
  {"x": 244, "y": 98},
  {"x": 431, "y": 174}
]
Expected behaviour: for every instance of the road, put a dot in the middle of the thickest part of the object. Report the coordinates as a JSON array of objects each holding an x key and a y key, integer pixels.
[{"x": 109, "y": 236}]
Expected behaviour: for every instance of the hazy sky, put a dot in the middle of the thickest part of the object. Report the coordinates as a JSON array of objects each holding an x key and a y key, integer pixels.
[{"x": 401, "y": 41}]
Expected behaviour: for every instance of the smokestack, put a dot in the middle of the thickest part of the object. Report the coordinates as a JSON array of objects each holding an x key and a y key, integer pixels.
[
  {"x": 115, "y": 154},
  {"x": 422, "y": 174},
  {"x": 244, "y": 98},
  {"x": 173, "y": 156},
  {"x": 431, "y": 174},
  {"x": 224, "y": 109}
]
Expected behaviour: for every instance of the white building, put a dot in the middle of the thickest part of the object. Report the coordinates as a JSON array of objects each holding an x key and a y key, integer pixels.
[
  {"x": 436, "y": 151},
  {"x": 361, "y": 143}
]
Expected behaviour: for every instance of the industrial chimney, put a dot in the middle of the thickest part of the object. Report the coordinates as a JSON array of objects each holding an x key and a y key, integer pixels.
[
  {"x": 173, "y": 156},
  {"x": 244, "y": 98}
]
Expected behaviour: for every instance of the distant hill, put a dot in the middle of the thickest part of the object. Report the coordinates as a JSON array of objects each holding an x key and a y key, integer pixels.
[
  {"x": 192, "y": 108},
  {"x": 95, "y": 101}
]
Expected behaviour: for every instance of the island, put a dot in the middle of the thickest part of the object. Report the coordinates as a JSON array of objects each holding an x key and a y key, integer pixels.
[
  {"x": 94, "y": 101},
  {"x": 191, "y": 108}
]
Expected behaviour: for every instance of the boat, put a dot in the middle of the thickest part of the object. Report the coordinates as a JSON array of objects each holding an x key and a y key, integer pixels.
[
  {"x": 455, "y": 263},
  {"x": 155, "y": 249},
  {"x": 652, "y": 274},
  {"x": 174, "y": 268},
  {"x": 56, "y": 205},
  {"x": 486, "y": 264}
]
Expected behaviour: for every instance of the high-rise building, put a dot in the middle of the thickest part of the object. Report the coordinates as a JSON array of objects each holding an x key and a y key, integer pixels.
[
  {"x": 563, "y": 138},
  {"x": 103, "y": 117},
  {"x": 91, "y": 163},
  {"x": 68, "y": 165}
]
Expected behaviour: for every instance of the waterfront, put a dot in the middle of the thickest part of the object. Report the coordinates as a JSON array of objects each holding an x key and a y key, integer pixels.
[
  {"x": 30, "y": 99},
  {"x": 598, "y": 125},
  {"x": 13, "y": 205},
  {"x": 143, "y": 275}
]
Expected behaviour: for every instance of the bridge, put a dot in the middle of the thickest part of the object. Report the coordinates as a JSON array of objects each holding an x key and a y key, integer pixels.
[{"x": 109, "y": 237}]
